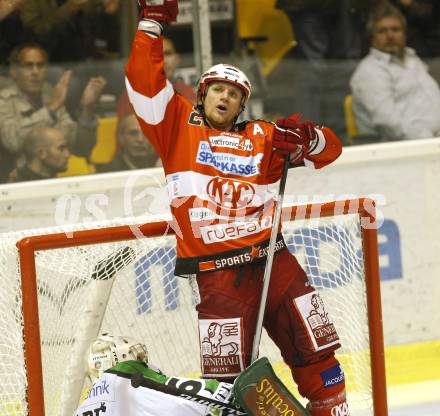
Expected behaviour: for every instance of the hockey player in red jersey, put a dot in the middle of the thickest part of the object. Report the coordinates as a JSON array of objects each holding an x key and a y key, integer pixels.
[{"x": 218, "y": 174}]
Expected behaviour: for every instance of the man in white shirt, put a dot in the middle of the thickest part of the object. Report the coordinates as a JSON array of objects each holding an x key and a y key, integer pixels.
[{"x": 394, "y": 97}]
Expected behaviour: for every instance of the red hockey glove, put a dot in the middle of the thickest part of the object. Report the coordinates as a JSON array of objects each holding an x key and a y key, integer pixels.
[
  {"x": 292, "y": 137},
  {"x": 166, "y": 11}
]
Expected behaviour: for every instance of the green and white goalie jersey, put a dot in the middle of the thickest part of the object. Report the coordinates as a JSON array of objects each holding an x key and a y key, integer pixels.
[{"x": 132, "y": 388}]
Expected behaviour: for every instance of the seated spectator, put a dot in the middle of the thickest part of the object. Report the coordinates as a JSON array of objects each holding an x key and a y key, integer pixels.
[
  {"x": 31, "y": 102},
  {"x": 82, "y": 35},
  {"x": 46, "y": 154},
  {"x": 135, "y": 152},
  {"x": 394, "y": 97},
  {"x": 171, "y": 63}
]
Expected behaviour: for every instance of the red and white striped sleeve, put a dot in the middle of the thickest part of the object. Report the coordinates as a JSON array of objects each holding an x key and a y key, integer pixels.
[{"x": 153, "y": 98}]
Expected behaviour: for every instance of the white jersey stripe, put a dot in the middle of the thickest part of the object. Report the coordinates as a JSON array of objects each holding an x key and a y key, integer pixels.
[
  {"x": 151, "y": 110},
  {"x": 319, "y": 144}
]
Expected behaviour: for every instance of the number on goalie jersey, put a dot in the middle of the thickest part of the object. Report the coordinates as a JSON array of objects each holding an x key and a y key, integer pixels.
[
  {"x": 124, "y": 384},
  {"x": 113, "y": 394}
]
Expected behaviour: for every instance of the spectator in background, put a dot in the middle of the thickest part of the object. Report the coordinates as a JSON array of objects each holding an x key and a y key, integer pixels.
[
  {"x": 31, "y": 102},
  {"x": 82, "y": 34},
  {"x": 394, "y": 97},
  {"x": 171, "y": 63},
  {"x": 46, "y": 154},
  {"x": 135, "y": 152}
]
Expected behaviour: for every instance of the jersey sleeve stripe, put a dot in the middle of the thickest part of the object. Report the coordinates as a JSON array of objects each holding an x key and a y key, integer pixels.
[{"x": 151, "y": 110}]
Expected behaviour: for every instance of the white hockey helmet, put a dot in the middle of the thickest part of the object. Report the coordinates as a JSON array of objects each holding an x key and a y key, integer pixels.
[
  {"x": 108, "y": 350},
  {"x": 226, "y": 73}
]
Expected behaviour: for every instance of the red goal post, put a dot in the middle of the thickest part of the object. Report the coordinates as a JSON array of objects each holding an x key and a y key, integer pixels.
[{"x": 363, "y": 209}]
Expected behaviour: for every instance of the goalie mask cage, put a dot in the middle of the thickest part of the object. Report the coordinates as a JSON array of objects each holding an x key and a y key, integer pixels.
[{"x": 61, "y": 287}]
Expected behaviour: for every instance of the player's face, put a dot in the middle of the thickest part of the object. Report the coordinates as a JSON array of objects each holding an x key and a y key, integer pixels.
[
  {"x": 222, "y": 104},
  {"x": 30, "y": 72},
  {"x": 389, "y": 36}
]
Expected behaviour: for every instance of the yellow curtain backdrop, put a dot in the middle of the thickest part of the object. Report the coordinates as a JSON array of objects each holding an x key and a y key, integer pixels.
[{"x": 260, "y": 19}]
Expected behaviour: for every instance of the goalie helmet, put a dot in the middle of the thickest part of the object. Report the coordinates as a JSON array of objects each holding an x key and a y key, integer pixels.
[
  {"x": 108, "y": 350},
  {"x": 226, "y": 73}
]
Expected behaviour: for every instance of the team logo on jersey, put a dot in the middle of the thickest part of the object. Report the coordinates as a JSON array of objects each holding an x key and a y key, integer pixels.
[
  {"x": 230, "y": 193},
  {"x": 322, "y": 332},
  {"x": 98, "y": 399},
  {"x": 221, "y": 347},
  {"x": 238, "y": 143},
  {"x": 99, "y": 389},
  {"x": 228, "y": 162}
]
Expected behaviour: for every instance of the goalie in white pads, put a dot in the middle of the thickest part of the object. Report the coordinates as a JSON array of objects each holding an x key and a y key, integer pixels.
[{"x": 125, "y": 384}]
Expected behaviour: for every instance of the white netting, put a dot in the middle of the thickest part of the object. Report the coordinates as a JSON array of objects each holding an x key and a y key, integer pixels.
[{"x": 149, "y": 303}]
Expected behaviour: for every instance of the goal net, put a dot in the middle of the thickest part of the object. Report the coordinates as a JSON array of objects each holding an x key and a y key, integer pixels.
[{"x": 62, "y": 287}]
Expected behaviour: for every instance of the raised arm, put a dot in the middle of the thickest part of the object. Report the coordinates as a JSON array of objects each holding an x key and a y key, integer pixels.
[{"x": 156, "y": 105}]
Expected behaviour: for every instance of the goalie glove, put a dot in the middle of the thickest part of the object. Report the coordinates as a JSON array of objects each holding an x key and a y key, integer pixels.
[
  {"x": 294, "y": 138},
  {"x": 162, "y": 11}
]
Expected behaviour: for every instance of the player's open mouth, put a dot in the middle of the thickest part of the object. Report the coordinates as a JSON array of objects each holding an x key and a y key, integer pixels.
[{"x": 222, "y": 108}]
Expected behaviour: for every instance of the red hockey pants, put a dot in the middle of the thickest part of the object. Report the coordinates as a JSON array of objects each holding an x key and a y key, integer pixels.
[{"x": 228, "y": 308}]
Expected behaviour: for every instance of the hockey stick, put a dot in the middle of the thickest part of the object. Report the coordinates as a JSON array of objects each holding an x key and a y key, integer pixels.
[
  {"x": 269, "y": 260},
  {"x": 89, "y": 324}
]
